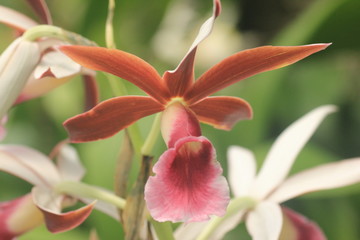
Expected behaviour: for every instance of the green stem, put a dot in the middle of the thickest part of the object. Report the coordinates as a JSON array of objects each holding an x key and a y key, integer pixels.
[
  {"x": 79, "y": 189},
  {"x": 50, "y": 31},
  {"x": 163, "y": 230},
  {"x": 235, "y": 206},
  {"x": 109, "y": 30},
  {"x": 151, "y": 139}
]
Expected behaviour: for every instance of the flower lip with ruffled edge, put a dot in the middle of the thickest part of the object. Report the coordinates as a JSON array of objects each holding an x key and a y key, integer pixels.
[
  {"x": 188, "y": 185},
  {"x": 112, "y": 115}
]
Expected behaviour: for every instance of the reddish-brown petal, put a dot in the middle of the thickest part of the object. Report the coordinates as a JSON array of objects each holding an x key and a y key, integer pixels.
[
  {"x": 222, "y": 112},
  {"x": 298, "y": 227},
  {"x": 42, "y": 10},
  {"x": 91, "y": 91},
  {"x": 109, "y": 117},
  {"x": 248, "y": 63},
  {"x": 60, "y": 222},
  {"x": 180, "y": 80},
  {"x": 188, "y": 185},
  {"x": 121, "y": 64},
  {"x": 177, "y": 122}
]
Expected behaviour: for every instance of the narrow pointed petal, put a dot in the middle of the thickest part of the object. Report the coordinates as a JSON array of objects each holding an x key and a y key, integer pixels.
[
  {"x": 28, "y": 164},
  {"x": 69, "y": 165},
  {"x": 298, "y": 227},
  {"x": 222, "y": 112},
  {"x": 242, "y": 170},
  {"x": 179, "y": 80},
  {"x": 327, "y": 176},
  {"x": 18, "y": 216},
  {"x": 49, "y": 204},
  {"x": 42, "y": 10},
  {"x": 177, "y": 122},
  {"x": 265, "y": 221},
  {"x": 121, "y": 64},
  {"x": 16, "y": 64},
  {"x": 15, "y": 19},
  {"x": 188, "y": 185},
  {"x": 109, "y": 117},
  {"x": 286, "y": 148},
  {"x": 91, "y": 90},
  {"x": 245, "y": 64}
]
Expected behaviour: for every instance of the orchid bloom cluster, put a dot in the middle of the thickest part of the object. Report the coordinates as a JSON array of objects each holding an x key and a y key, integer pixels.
[{"x": 186, "y": 183}]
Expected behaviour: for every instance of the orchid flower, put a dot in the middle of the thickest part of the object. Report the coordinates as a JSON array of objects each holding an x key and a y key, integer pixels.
[
  {"x": 115, "y": 114},
  {"x": 44, "y": 68},
  {"x": 46, "y": 200},
  {"x": 188, "y": 185},
  {"x": 257, "y": 198}
]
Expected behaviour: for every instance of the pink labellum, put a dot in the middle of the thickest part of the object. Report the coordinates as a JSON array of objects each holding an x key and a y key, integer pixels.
[
  {"x": 299, "y": 227},
  {"x": 188, "y": 185}
]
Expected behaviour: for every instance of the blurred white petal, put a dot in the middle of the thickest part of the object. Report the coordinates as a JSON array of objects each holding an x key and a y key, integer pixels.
[
  {"x": 57, "y": 64},
  {"x": 265, "y": 221},
  {"x": 242, "y": 170},
  {"x": 286, "y": 148},
  {"x": 47, "y": 199},
  {"x": 28, "y": 164},
  {"x": 327, "y": 176},
  {"x": 16, "y": 65},
  {"x": 15, "y": 19},
  {"x": 69, "y": 164}
]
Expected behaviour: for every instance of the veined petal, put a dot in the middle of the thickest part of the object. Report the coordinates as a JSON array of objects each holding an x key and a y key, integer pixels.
[
  {"x": 121, "y": 64},
  {"x": 242, "y": 170},
  {"x": 55, "y": 221},
  {"x": 285, "y": 150},
  {"x": 15, "y": 19},
  {"x": 177, "y": 121},
  {"x": 265, "y": 221},
  {"x": 28, "y": 164},
  {"x": 222, "y": 112},
  {"x": 41, "y": 10},
  {"x": 16, "y": 64},
  {"x": 18, "y": 216},
  {"x": 298, "y": 227},
  {"x": 188, "y": 185},
  {"x": 109, "y": 117},
  {"x": 245, "y": 64},
  {"x": 327, "y": 176},
  {"x": 179, "y": 80}
]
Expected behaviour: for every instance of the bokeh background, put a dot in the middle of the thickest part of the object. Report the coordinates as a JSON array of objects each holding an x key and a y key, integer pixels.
[{"x": 160, "y": 32}]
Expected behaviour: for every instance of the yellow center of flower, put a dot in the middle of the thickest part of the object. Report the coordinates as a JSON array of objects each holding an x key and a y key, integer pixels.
[{"x": 176, "y": 100}]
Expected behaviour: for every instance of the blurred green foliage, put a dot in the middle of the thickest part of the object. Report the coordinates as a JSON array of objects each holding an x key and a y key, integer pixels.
[{"x": 278, "y": 98}]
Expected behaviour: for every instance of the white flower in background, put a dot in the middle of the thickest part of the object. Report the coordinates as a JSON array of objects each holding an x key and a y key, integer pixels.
[{"x": 258, "y": 197}]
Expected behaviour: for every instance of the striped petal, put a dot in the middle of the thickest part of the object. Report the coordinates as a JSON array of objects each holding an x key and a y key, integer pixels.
[
  {"x": 222, "y": 112},
  {"x": 28, "y": 164},
  {"x": 298, "y": 227},
  {"x": 188, "y": 185},
  {"x": 121, "y": 64},
  {"x": 245, "y": 64},
  {"x": 109, "y": 117},
  {"x": 15, "y": 19}
]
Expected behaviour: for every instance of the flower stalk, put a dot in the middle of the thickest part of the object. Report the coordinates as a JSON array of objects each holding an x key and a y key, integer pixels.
[{"x": 83, "y": 190}]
